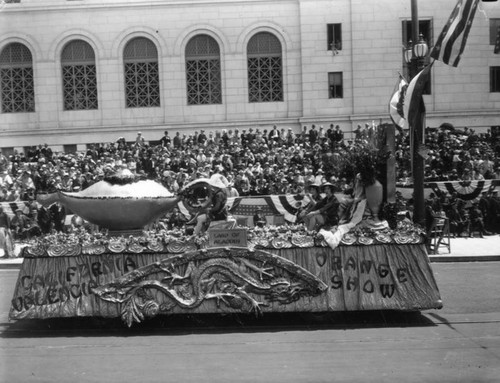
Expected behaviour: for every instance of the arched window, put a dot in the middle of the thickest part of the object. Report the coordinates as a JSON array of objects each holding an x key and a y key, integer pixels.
[
  {"x": 142, "y": 80},
  {"x": 16, "y": 76},
  {"x": 79, "y": 76},
  {"x": 265, "y": 70},
  {"x": 203, "y": 71}
]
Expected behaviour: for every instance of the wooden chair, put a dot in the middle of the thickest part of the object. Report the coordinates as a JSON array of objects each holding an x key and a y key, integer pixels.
[{"x": 439, "y": 235}]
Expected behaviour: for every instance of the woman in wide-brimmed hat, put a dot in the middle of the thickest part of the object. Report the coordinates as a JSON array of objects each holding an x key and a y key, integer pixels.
[
  {"x": 325, "y": 212},
  {"x": 313, "y": 192}
]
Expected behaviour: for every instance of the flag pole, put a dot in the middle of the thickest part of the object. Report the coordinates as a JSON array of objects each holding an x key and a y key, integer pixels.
[{"x": 418, "y": 161}]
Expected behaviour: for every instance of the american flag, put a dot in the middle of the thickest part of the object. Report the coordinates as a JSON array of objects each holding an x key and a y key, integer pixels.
[
  {"x": 396, "y": 104},
  {"x": 451, "y": 42},
  {"x": 413, "y": 105}
]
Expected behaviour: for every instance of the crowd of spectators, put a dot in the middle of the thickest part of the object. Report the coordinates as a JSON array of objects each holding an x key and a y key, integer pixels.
[{"x": 255, "y": 161}]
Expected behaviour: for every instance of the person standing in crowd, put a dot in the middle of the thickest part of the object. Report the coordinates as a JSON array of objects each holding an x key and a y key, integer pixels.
[
  {"x": 313, "y": 135},
  {"x": 4, "y": 163},
  {"x": 338, "y": 135},
  {"x": 6, "y": 240},
  {"x": 139, "y": 140},
  {"x": 274, "y": 135},
  {"x": 177, "y": 141},
  {"x": 165, "y": 141}
]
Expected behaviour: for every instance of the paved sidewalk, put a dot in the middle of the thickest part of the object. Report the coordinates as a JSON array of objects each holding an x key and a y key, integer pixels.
[
  {"x": 470, "y": 250},
  {"x": 485, "y": 249}
]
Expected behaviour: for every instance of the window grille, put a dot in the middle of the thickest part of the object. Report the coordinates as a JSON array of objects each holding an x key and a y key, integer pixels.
[
  {"x": 142, "y": 80},
  {"x": 265, "y": 72},
  {"x": 79, "y": 76},
  {"x": 335, "y": 85},
  {"x": 16, "y": 79},
  {"x": 203, "y": 71}
]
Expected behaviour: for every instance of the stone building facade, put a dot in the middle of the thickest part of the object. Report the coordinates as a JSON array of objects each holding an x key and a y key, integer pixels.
[{"x": 81, "y": 71}]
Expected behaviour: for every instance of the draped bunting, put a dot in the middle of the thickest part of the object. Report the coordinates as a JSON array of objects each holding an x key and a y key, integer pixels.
[
  {"x": 286, "y": 205},
  {"x": 466, "y": 190},
  {"x": 10, "y": 207}
]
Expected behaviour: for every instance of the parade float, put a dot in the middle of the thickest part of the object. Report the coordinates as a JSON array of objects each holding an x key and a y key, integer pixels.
[{"x": 128, "y": 271}]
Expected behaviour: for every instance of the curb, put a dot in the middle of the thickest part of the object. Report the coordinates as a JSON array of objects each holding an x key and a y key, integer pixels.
[
  {"x": 463, "y": 258},
  {"x": 10, "y": 264}
]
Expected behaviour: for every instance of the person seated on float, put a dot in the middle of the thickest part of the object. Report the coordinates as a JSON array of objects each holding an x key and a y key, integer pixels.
[
  {"x": 350, "y": 200},
  {"x": 216, "y": 207},
  {"x": 259, "y": 219},
  {"x": 33, "y": 229},
  {"x": 176, "y": 219},
  {"x": 19, "y": 225},
  {"x": 325, "y": 212},
  {"x": 313, "y": 193}
]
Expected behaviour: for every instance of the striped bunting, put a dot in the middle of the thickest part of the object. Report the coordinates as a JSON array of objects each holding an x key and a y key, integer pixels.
[
  {"x": 451, "y": 42},
  {"x": 286, "y": 205},
  {"x": 466, "y": 190},
  {"x": 10, "y": 207}
]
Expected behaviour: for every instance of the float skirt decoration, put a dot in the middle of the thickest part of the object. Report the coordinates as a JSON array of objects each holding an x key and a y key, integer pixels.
[{"x": 135, "y": 286}]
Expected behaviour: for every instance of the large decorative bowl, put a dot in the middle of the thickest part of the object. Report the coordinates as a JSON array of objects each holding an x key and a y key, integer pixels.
[{"x": 117, "y": 206}]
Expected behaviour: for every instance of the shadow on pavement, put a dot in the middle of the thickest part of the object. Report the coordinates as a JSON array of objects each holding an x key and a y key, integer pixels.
[{"x": 212, "y": 324}]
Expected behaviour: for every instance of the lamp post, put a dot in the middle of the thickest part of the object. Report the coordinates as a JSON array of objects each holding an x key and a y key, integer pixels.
[{"x": 414, "y": 56}]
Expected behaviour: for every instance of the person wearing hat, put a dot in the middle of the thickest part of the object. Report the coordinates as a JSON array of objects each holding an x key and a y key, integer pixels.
[
  {"x": 19, "y": 225},
  {"x": 325, "y": 212},
  {"x": 320, "y": 177},
  {"x": 165, "y": 140},
  {"x": 139, "y": 140},
  {"x": 313, "y": 193},
  {"x": 215, "y": 208}
]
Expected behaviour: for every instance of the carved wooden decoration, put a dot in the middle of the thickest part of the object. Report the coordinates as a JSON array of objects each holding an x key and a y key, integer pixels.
[{"x": 235, "y": 279}]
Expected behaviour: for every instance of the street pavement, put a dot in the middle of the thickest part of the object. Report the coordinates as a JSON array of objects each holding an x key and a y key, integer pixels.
[
  {"x": 459, "y": 343},
  {"x": 463, "y": 249}
]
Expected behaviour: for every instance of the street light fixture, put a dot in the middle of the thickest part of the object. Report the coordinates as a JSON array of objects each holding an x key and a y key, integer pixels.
[
  {"x": 414, "y": 55},
  {"x": 420, "y": 49}
]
